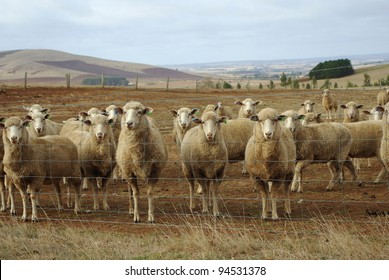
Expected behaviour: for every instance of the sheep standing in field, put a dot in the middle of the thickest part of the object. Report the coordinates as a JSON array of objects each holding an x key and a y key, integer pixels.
[
  {"x": 270, "y": 156},
  {"x": 96, "y": 152},
  {"x": 220, "y": 109},
  {"x": 204, "y": 158},
  {"x": 312, "y": 118},
  {"x": 384, "y": 151},
  {"x": 383, "y": 97},
  {"x": 41, "y": 125},
  {"x": 319, "y": 143},
  {"x": 306, "y": 107},
  {"x": 376, "y": 113},
  {"x": 114, "y": 113},
  {"x": 247, "y": 107},
  {"x": 351, "y": 112},
  {"x": 31, "y": 162},
  {"x": 182, "y": 122},
  {"x": 36, "y": 108},
  {"x": 329, "y": 103},
  {"x": 141, "y": 153}
]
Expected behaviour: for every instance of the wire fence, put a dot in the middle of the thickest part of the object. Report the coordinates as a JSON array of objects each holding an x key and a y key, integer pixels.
[{"x": 238, "y": 200}]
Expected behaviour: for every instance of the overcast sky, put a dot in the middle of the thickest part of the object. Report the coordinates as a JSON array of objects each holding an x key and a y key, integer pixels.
[{"x": 164, "y": 32}]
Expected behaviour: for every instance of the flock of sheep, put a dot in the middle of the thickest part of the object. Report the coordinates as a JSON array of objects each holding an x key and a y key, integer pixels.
[{"x": 125, "y": 143}]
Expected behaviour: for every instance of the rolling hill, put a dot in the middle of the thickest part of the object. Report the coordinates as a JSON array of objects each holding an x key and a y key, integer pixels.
[{"x": 50, "y": 67}]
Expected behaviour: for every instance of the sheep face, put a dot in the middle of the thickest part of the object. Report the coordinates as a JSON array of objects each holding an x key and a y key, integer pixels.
[
  {"x": 308, "y": 106},
  {"x": 113, "y": 112},
  {"x": 134, "y": 115},
  {"x": 210, "y": 124},
  {"x": 38, "y": 121},
  {"x": 99, "y": 126},
  {"x": 248, "y": 106},
  {"x": 326, "y": 93},
  {"x": 311, "y": 118},
  {"x": 36, "y": 108},
  {"x": 290, "y": 121},
  {"x": 351, "y": 110},
  {"x": 184, "y": 116},
  {"x": 14, "y": 129},
  {"x": 376, "y": 113},
  {"x": 268, "y": 119}
]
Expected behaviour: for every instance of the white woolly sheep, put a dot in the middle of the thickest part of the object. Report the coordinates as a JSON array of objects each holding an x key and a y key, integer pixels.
[
  {"x": 270, "y": 156},
  {"x": 351, "y": 112},
  {"x": 41, "y": 125},
  {"x": 383, "y": 97},
  {"x": 319, "y": 143},
  {"x": 141, "y": 153},
  {"x": 31, "y": 162},
  {"x": 114, "y": 113},
  {"x": 329, "y": 103},
  {"x": 182, "y": 122},
  {"x": 204, "y": 158},
  {"x": 312, "y": 118},
  {"x": 306, "y": 107},
  {"x": 247, "y": 107},
  {"x": 96, "y": 152},
  {"x": 384, "y": 151},
  {"x": 220, "y": 109},
  {"x": 376, "y": 113}
]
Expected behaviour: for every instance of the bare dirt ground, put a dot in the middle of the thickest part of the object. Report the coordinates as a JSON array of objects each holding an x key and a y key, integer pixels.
[{"x": 238, "y": 202}]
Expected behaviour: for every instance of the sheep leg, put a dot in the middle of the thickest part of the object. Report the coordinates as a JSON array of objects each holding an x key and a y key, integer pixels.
[
  {"x": 205, "y": 195},
  {"x": 33, "y": 197},
  {"x": 298, "y": 175},
  {"x": 383, "y": 173},
  {"x": 264, "y": 191},
  {"x": 58, "y": 195},
  {"x": 104, "y": 184},
  {"x": 274, "y": 194},
  {"x": 357, "y": 164},
  {"x": 68, "y": 195},
  {"x": 335, "y": 174},
  {"x": 191, "y": 190},
  {"x": 288, "y": 209},
  {"x": 2, "y": 193},
  {"x": 77, "y": 197},
  {"x": 85, "y": 184},
  {"x": 214, "y": 191},
  {"x": 93, "y": 182},
  {"x": 150, "y": 199},
  {"x": 130, "y": 198},
  {"x": 132, "y": 181},
  {"x": 10, "y": 186},
  {"x": 350, "y": 166},
  {"x": 368, "y": 163}
]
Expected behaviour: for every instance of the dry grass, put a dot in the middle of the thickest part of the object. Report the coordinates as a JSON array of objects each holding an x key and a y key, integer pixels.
[{"x": 201, "y": 238}]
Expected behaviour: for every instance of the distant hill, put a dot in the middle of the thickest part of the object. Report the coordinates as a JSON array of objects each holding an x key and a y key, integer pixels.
[{"x": 50, "y": 67}]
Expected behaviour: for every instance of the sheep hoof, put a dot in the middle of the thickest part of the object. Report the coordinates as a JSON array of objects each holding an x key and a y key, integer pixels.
[
  {"x": 151, "y": 222},
  {"x": 24, "y": 219},
  {"x": 2, "y": 209},
  {"x": 34, "y": 220}
]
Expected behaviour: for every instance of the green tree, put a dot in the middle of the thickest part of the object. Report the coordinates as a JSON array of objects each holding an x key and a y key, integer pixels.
[
  {"x": 327, "y": 84},
  {"x": 271, "y": 84},
  {"x": 283, "y": 79},
  {"x": 238, "y": 86},
  {"x": 307, "y": 86},
  {"x": 366, "y": 80},
  {"x": 332, "y": 69},
  {"x": 314, "y": 81},
  {"x": 260, "y": 86},
  {"x": 295, "y": 84},
  {"x": 227, "y": 85}
]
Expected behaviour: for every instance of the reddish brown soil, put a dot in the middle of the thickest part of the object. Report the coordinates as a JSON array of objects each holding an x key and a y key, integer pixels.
[{"x": 238, "y": 201}]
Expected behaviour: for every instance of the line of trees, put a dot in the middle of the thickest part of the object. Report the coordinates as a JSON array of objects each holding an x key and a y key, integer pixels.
[
  {"x": 332, "y": 69},
  {"x": 107, "y": 81}
]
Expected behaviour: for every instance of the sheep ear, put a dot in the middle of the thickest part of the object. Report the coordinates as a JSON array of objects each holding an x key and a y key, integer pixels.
[
  {"x": 380, "y": 109},
  {"x": 194, "y": 111},
  {"x": 110, "y": 122},
  {"x": 366, "y": 112},
  {"x": 147, "y": 111},
  {"x": 238, "y": 102},
  {"x": 88, "y": 122},
  {"x": 119, "y": 110},
  {"x": 2, "y": 119},
  {"x": 318, "y": 115},
  {"x": 26, "y": 123},
  {"x": 197, "y": 120},
  {"x": 254, "y": 118},
  {"x": 173, "y": 112},
  {"x": 282, "y": 117},
  {"x": 359, "y": 106},
  {"x": 47, "y": 116},
  {"x": 26, "y": 108},
  {"x": 45, "y": 110},
  {"x": 223, "y": 119},
  {"x": 343, "y": 106},
  {"x": 302, "y": 104},
  {"x": 313, "y": 103},
  {"x": 28, "y": 117},
  {"x": 2, "y": 125},
  {"x": 83, "y": 114},
  {"x": 301, "y": 117},
  {"x": 258, "y": 102}
]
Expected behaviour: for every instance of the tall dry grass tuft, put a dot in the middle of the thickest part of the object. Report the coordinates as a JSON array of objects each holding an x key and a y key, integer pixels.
[{"x": 199, "y": 237}]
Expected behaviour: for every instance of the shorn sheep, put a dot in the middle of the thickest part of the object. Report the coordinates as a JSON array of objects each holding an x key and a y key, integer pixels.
[
  {"x": 96, "y": 153},
  {"x": 141, "y": 153},
  {"x": 247, "y": 107},
  {"x": 31, "y": 162},
  {"x": 204, "y": 158},
  {"x": 319, "y": 143},
  {"x": 383, "y": 97},
  {"x": 182, "y": 122},
  {"x": 306, "y": 107},
  {"x": 270, "y": 157},
  {"x": 329, "y": 103}
]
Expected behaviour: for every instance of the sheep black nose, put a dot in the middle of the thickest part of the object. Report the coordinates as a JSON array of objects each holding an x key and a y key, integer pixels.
[{"x": 14, "y": 139}]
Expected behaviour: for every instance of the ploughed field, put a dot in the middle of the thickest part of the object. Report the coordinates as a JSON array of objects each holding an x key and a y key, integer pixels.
[{"x": 238, "y": 202}]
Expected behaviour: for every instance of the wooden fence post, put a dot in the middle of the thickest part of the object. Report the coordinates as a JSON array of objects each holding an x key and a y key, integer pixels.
[
  {"x": 25, "y": 80},
  {"x": 167, "y": 84},
  {"x": 136, "y": 83},
  {"x": 67, "y": 80},
  {"x": 102, "y": 80}
]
